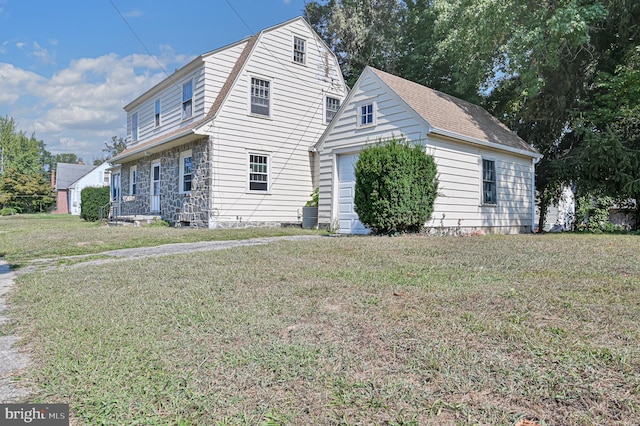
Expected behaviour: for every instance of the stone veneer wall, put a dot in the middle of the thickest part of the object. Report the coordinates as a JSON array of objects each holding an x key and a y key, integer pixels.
[{"x": 192, "y": 208}]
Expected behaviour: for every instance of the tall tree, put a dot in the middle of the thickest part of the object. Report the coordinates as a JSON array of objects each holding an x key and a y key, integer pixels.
[
  {"x": 116, "y": 147},
  {"x": 360, "y": 32}
]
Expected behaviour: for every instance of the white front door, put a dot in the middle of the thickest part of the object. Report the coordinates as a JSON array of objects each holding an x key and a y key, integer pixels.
[
  {"x": 155, "y": 187},
  {"x": 347, "y": 217}
]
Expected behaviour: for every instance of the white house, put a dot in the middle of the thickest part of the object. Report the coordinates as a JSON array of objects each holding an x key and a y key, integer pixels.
[
  {"x": 225, "y": 140},
  {"x": 485, "y": 171},
  {"x": 97, "y": 177}
]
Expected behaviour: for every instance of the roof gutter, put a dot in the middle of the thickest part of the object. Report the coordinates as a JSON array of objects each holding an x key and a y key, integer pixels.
[
  {"x": 497, "y": 146},
  {"x": 142, "y": 148}
]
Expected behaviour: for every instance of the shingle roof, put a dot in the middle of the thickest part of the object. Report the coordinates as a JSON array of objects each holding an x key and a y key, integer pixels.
[
  {"x": 66, "y": 173},
  {"x": 452, "y": 115}
]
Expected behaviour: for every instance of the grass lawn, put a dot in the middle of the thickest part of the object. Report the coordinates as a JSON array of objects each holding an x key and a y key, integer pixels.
[
  {"x": 32, "y": 236},
  {"x": 403, "y": 331}
]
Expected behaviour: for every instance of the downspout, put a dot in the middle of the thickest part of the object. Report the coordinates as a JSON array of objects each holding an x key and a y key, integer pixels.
[{"x": 534, "y": 161}]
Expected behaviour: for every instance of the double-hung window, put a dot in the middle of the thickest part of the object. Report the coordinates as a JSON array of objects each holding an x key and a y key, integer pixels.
[
  {"x": 134, "y": 127},
  {"x": 187, "y": 99},
  {"x": 133, "y": 177},
  {"x": 331, "y": 108},
  {"x": 258, "y": 172},
  {"x": 366, "y": 114},
  {"x": 186, "y": 171},
  {"x": 260, "y": 96},
  {"x": 299, "y": 50},
  {"x": 489, "y": 195},
  {"x": 157, "y": 112}
]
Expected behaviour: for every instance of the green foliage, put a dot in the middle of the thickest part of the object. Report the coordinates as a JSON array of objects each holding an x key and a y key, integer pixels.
[
  {"x": 8, "y": 211},
  {"x": 396, "y": 187},
  {"x": 92, "y": 199},
  {"x": 117, "y": 146},
  {"x": 24, "y": 192},
  {"x": 592, "y": 214},
  {"x": 315, "y": 197}
]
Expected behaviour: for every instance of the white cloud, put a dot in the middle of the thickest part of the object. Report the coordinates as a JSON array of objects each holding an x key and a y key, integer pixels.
[
  {"x": 41, "y": 53},
  {"x": 80, "y": 107},
  {"x": 133, "y": 13},
  {"x": 21, "y": 44},
  {"x": 15, "y": 82}
]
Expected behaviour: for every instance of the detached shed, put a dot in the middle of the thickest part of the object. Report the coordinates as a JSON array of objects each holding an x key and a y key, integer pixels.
[{"x": 486, "y": 172}]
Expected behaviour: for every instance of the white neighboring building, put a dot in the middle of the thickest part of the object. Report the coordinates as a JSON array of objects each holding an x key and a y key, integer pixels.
[{"x": 97, "y": 177}]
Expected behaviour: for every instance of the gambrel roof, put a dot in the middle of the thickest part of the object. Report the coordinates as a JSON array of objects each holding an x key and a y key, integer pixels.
[{"x": 198, "y": 127}]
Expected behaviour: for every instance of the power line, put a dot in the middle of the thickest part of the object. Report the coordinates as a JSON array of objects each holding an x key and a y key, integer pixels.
[{"x": 141, "y": 42}]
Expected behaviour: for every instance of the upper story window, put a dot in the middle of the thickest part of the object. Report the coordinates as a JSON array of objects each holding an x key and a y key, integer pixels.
[
  {"x": 133, "y": 178},
  {"x": 157, "y": 112},
  {"x": 489, "y": 195},
  {"x": 366, "y": 114},
  {"x": 258, "y": 172},
  {"x": 299, "y": 51},
  {"x": 187, "y": 99},
  {"x": 186, "y": 171},
  {"x": 134, "y": 127},
  {"x": 331, "y": 108},
  {"x": 260, "y": 96}
]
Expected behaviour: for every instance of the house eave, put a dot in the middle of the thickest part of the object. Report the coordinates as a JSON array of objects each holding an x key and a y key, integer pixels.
[
  {"x": 161, "y": 145},
  {"x": 493, "y": 145}
]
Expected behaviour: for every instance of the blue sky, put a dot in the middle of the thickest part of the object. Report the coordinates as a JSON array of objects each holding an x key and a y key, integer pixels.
[{"x": 67, "y": 67}]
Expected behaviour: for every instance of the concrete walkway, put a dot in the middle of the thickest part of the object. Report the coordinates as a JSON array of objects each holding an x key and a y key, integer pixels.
[{"x": 12, "y": 360}]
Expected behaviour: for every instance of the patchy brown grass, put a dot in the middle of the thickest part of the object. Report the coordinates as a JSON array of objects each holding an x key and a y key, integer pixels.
[{"x": 489, "y": 330}]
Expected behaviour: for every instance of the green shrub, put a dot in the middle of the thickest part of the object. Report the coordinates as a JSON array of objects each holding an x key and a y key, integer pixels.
[
  {"x": 8, "y": 211},
  {"x": 92, "y": 199},
  {"x": 396, "y": 187}
]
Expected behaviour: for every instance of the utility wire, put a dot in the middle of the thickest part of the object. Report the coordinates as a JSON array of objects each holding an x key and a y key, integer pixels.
[{"x": 142, "y": 43}]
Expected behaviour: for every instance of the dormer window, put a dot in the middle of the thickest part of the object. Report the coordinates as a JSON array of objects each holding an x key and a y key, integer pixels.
[
  {"x": 157, "y": 112},
  {"x": 134, "y": 127},
  {"x": 187, "y": 99},
  {"x": 299, "y": 51}
]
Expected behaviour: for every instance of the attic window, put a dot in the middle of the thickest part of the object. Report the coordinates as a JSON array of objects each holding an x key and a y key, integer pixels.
[
  {"x": 260, "y": 95},
  {"x": 187, "y": 99},
  {"x": 299, "y": 50},
  {"x": 366, "y": 114},
  {"x": 489, "y": 195}
]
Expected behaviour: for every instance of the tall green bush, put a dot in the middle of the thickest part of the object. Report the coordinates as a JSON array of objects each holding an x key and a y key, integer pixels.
[
  {"x": 396, "y": 187},
  {"x": 92, "y": 199}
]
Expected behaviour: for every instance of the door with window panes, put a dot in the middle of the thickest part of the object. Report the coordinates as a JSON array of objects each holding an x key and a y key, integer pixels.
[{"x": 155, "y": 187}]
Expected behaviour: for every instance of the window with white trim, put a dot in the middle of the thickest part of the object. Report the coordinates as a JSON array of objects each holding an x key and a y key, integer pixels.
[
  {"x": 366, "y": 114},
  {"x": 157, "y": 112},
  {"x": 186, "y": 171},
  {"x": 134, "y": 127},
  {"x": 258, "y": 172},
  {"x": 489, "y": 195},
  {"x": 299, "y": 45},
  {"x": 187, "y": 99},
  {"x": 133, "y": 180},
  {"x": 260, "y": 96},
  {"x": 331, "y": 108}
]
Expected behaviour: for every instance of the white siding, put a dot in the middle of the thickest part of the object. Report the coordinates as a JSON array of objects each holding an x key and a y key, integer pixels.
[
  {"x": 459, "y": 165},
  {"x": 296, "y": 122}
]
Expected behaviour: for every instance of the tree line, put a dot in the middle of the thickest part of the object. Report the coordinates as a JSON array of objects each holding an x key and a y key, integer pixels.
[
  {"x": 563, "y": 74},
  {"x": 26, "y": 167}
]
